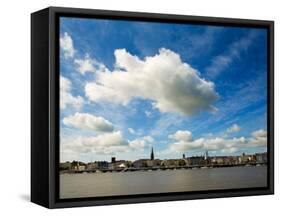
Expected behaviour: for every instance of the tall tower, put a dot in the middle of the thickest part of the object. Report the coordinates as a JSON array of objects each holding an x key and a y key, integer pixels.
[
  {"x": 152, "y": 154},
  {"x": 206, "y": 155}
]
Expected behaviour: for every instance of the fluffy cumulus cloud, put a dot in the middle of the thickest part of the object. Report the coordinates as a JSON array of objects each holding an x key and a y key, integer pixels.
[
  {"x": 184, "y": 142},
  {"x": 89, "y": 122},
  {"x": 259, "y": 138},
  {"x": 66, "y": 45},
  {"x": 181, "y": 135},
  {"x": 141, "y": 143},
  {"x": 105, "y": 143},
  {"x": 66, "y": 98},
  {"x": 234, "y": 128},
  {"x": 88, "y": 64},
  {"x": 172, "y": 85},
  {"x": 259, "y": 133}
]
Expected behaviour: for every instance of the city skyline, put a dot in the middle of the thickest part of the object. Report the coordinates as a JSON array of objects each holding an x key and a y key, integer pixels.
[
  {"x": 152, "y": 157},
  {"x": 126, "y": 87}
]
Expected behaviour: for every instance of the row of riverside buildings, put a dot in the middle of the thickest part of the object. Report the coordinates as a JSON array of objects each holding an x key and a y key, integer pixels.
[{"x": 203, "y": 160}]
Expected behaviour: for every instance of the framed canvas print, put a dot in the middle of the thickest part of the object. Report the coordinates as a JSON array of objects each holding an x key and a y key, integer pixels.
[{"x": 139, "y": 107}]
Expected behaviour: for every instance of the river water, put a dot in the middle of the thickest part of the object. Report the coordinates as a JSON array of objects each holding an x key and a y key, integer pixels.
[{"x": 144, "y": 182}]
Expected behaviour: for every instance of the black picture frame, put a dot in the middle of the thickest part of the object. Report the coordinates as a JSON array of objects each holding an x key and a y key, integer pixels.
[{"x": 45, "y": 107}]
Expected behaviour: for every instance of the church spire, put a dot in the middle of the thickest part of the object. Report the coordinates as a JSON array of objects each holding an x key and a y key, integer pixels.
[{"x": 152, "y": 154}]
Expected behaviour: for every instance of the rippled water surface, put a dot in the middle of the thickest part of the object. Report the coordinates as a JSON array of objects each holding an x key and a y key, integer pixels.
[{"x": 143, "y": 182}]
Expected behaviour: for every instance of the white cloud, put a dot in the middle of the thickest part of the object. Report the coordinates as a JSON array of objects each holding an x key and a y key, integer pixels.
[
  {"x": 88, "y": 121},
  {"x": 259, "y": 138},
  {"x": 84, "y": 65},
  {"x": 66, "y": 98},
  {"x": 137, "y": 144},
  {"x": 107, "y": 143},
  {"x": 234, "y": 128},
  {"x": 184, "y": 146},
  {"x": 88, "y": 64},
  {"x": 259, "y": 133},
  {"x": 181, "y": 135},
  {"x": 141, "y": 143},
  {"x": 185, "y": 143},
  {"x": 171, "y": 85},
  {"x": 66, "y": 44},
  {"x": 211, "y": 144}
]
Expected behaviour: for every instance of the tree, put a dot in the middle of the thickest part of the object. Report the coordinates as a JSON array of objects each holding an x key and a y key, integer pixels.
[{"x": 182, "y": 163}]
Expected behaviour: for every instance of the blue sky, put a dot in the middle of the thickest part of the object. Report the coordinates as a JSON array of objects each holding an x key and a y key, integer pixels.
[{"x": 127, "y": 86}]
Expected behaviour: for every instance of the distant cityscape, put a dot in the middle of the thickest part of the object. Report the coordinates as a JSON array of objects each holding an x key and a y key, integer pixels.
[{"x": 194, "y": 162}]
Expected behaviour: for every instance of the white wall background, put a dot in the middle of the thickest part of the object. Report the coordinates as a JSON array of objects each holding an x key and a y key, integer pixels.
[{"x": 15, "y": 106}]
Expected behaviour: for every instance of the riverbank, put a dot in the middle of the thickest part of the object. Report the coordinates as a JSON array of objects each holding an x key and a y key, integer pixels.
[{"x": 134, "y": 169}]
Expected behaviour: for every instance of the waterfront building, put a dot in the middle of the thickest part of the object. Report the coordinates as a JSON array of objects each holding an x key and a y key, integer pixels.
[
  {"x": 120, "y": 164},
  {"x": 153, "y": 163},
  {"x": 219, "y": 160},
  {"x": 195, "y": 160},
  {"x": 79, "y": 166},
  {"x": 140, "y": 163},
  {"x": 111, "y": 166},
  {"x": 227, "y": 160},
  {"x": 168, "y": 162},
  {"x": 173, "y": 162},
  {"x": 113, "y": 160},
  {"x": 92, "y": 166},
  {"x": 233, "y": 160},
  {"x": 102, "y": 164},
  {"x": 247, "y": 158},
  {"x": 115, "y": 164},
  {"x": 261, "y": 157}
]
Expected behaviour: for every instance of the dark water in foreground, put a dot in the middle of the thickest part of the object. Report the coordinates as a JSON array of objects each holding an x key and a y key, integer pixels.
[{"x": 143, "y": 182}]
